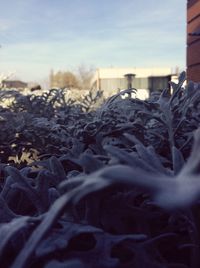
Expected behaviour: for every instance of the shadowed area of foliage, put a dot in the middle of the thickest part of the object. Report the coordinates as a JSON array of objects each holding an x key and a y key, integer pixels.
[{"x": 115, "y": 186}]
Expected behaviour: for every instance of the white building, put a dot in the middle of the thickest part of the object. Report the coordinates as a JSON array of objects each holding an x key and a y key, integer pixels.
[{"x": 146, "y": 80}]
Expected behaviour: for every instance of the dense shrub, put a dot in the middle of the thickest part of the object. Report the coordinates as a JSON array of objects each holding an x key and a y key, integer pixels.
[{"x": 113, "y": 187}]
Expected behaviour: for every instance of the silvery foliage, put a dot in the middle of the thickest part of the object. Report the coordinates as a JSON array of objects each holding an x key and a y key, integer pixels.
[{"x": 113, "y": 187}]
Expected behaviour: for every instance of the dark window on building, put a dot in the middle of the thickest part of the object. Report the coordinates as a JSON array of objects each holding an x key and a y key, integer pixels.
[{"x": 157, "y": 83}]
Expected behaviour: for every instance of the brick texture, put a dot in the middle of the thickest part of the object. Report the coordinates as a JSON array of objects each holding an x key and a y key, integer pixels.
[{"x": 193, "y": 40}]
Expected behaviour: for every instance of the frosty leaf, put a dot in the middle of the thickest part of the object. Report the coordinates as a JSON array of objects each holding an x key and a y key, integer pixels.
[
  {"x": 178, "y": 160},
  {"x": 130, "y": 159},
  {"x": 57, "y": 169},
  {"x": 8, "y": 230},
  {"x": 6, "y": 214},
  {"x": 29, "y": 190},
  {"x": 89, "y": 163},
  {"x": 60, "y": 238}
]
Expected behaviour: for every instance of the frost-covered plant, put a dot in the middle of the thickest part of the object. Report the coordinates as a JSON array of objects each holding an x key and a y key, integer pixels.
[{"x": 113, "y": 187}]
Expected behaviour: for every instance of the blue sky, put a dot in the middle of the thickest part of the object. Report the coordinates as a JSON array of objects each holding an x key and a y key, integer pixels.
[{"x": 37, "y": 35}]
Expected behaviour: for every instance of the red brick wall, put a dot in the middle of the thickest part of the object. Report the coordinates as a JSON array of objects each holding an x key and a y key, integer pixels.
[{"x": 193, "y": 42}]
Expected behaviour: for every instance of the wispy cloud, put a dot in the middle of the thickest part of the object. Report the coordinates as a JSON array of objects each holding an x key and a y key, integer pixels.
[{"x": 5, "y": 25}]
